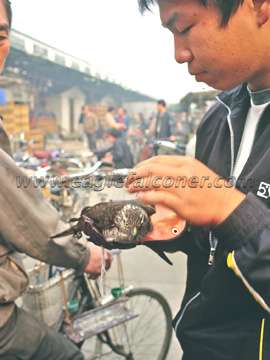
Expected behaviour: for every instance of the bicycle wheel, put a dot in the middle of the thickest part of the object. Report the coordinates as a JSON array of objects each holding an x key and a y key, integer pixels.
[{"x": 148, "y": 336}]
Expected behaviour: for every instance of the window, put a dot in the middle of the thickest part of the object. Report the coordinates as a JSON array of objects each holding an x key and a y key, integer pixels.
[
  {"x": 75, "y": 66},
  {"x": 87, "y": 70},
  {"x": 59, "y": 59},
  {"x": 40, "y": 51}
]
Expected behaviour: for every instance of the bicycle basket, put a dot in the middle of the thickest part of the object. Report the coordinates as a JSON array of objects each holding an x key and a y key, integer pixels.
[{"x": 44, "y": 297}]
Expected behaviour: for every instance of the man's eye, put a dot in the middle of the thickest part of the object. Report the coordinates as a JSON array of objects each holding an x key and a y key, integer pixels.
[
  {"x": 3, "y": 36},
  {"x": 185, "y": 31}
]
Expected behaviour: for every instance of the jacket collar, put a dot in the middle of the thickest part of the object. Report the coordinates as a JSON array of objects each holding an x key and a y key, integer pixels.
[
  {"x": 234, "y": 97},
  {"x": 238, "y": 101}
]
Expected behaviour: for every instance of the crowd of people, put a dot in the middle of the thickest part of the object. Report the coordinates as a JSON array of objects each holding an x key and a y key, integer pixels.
[{"x": 130, "y": 134}]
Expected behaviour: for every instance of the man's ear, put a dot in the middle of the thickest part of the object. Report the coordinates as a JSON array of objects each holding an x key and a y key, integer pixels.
[{"x": 262, "y": 8}]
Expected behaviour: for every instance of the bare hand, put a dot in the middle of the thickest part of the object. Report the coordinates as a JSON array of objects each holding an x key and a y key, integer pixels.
[
  {"x": 186, "y": 186},
  {"x": 121, "y": 127},
  {"x": 108, "y": 158},
  {"x": 94, "y": 265}
]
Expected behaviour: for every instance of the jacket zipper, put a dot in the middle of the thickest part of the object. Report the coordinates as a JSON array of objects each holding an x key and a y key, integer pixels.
[
  {"x": 231, "y": 133},
  {"x": 212, "y": 239},
  {"x": 184, "y": 310}
]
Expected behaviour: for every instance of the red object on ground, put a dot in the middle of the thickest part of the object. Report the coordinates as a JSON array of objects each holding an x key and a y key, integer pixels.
[{"x": 42, "y": 154}]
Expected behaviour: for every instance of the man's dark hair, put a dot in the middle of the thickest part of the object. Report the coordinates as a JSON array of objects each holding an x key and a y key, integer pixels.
[
  {"x": 7, "y": 5},
  {"x": 111, "y": 109},
  {"x": 162, "y": 102},
  {"x": 226, "y": 7}
]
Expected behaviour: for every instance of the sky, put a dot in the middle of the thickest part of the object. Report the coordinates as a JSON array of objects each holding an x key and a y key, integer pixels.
[{"x": 114, "y": 37}]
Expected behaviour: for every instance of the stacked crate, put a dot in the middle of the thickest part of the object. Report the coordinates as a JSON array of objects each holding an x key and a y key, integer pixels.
[
  {"x": 6, "y": 112},
  {"x": 47, "y": 124},
  {"x": 15, "y": 118},
  {"x": 35, "y": 139},
  {"x": 21, "y": 115}
]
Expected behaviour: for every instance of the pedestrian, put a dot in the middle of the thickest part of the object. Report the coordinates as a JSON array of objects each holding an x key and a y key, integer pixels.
[
  {"x": 81, "y": 123},
  {"x": 110, "y": 122},
  {"x": 123, "y": 119},
  {"x": 91, "y": 125},
  {"x": 121, "y": 155},
  {"x": 165, "y": 125},
  {"x": 143, "y": 125}
]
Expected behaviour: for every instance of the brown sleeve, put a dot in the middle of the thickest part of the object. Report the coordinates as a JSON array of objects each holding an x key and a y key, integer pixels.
[{"x": 27, "y": 221}]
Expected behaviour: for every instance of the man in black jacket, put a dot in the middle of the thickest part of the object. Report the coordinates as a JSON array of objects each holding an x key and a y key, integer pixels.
[
  {"x": 223, "y": 194},
  {"x": 165, "y": 128},
  {"x": 121, "y": 155}
]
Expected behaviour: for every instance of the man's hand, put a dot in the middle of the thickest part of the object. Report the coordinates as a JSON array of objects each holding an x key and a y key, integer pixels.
[
  {"x": 108, "y": 157},
  {"x": 186, "y": 186},
  {"x": 95, "y": 262},
  {"x": 172, "y": 138}
]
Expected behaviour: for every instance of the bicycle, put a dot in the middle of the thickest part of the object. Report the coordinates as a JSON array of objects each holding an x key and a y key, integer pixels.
[
  {"x": 68, "y": 200},
  {"x": 131, "y": 323}
]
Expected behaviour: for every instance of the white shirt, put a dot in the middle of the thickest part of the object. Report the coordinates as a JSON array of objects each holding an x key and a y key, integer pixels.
[{"x": 253, "y": 117}]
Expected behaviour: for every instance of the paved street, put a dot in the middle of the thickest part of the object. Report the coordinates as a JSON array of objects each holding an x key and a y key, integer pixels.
[{"x": 144, "y": 268}]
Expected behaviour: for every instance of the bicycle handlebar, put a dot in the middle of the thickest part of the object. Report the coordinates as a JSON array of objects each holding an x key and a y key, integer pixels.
[
  {"x": 71, "y": 177},
  {"x": 168, "y": 145}
]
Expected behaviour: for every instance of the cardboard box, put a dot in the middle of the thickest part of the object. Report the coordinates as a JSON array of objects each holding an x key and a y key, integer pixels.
[{"x": 15, "y": 117}]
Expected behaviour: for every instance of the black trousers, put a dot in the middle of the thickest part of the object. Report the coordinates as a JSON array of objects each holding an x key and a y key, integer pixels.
[
  {"x": 91, "y": 138},
  {"x": 25, "y": 338}
]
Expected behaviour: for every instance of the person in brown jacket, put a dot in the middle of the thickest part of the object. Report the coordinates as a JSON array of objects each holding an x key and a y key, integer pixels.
[
  {"x": 91, "y": 125},
  {"x": 27, "y": 223},
  {"x": 111, "y": 123}
]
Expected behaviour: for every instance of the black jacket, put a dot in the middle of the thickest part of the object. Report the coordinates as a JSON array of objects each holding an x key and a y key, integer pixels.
[
  {"x": 165, "y": 126},
  {"x": 226, "y": 306},
  {"x": 122, "y": 156}
]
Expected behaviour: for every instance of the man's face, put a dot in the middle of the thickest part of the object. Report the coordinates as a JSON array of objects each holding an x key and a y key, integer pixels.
[
  {"x": 121, "y": 112},
  {"x": 160, "y": 108},
  {"x": 4, "y": 36},
  {"x": 110, "y": 139},
  {"x": 222, "y": 57}
]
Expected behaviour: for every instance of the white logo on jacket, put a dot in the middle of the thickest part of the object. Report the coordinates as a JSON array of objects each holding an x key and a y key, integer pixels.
[{"x": 264, "y": 190}]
